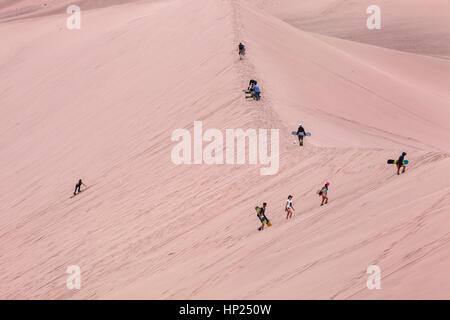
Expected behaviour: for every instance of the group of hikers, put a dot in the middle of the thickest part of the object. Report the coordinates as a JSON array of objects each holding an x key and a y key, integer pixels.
[
  {"x": 254, "y": 91},
  {"x": 288, "y": 207},
  {"x": 323, "y": 193}
]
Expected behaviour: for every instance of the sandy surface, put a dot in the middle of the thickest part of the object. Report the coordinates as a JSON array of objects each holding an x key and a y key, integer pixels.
[
  {"x": 408, "y": 25},
  {"x": 101, "y": 103}
]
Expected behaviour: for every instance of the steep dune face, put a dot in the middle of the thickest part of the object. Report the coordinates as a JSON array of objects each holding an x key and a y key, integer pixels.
[
  {"x": 101, "y": 103},
  {"x": 13, "y": 9},
  {"x": 362, "y": 93},
  {"x": 406, "y": 24}
]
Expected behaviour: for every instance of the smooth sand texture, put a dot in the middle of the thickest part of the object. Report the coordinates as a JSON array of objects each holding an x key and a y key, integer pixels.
[
  {"x": 408, "y": 25},
  {"x": 101, "y": 104}
]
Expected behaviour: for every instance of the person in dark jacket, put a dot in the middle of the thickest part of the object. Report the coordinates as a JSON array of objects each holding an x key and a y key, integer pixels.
[
  {"x": 251, "y": 84},
  {"x": 78, "y": 187},
  {"x": 261, "y": 213},
  {"x": 241, "y": 50},
  {"x": 401, "y": 164},
  {"x": 300, "y": 133}
]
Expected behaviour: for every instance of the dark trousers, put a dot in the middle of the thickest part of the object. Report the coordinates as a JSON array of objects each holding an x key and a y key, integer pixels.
[
  {"x": 300, "y": 140},
  {"x": 77, "y": 187}
]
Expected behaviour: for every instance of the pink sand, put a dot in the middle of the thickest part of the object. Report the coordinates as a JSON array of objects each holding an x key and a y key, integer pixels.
[
  {"x": 101, "y": 104},
  {"x": 409, "y": 25}
]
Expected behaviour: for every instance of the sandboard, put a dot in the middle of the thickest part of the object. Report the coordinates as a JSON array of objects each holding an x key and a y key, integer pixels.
[
  {"x": 391, "y": 161},
  {"x": 294, "y": 133},
  {"x": 263, "y": 218}
]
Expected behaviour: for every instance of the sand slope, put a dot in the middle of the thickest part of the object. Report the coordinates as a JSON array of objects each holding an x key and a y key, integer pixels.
[
  {"x": 101, "y": 104},
  {"x": 24, "y": 9},
  {"x": 406, "y": 25}
]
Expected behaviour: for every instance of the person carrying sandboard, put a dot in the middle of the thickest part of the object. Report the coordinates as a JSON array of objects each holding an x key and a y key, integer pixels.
[
  {"x": 401, "y": 163},
  {"x": 324, "y": 193},
  {"x": 300, "y": 133},
  {"x": 261, "y": 213}
]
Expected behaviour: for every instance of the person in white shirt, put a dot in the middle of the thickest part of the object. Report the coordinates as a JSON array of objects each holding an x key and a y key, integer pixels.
[{"x": 289, "y": 208}]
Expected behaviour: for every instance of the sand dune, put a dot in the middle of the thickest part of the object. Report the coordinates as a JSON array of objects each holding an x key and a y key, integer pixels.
[
  {"x": 13, "y": 10},
  {"x": 407, "y": 25},
  {"x": 101, "y": 103}
]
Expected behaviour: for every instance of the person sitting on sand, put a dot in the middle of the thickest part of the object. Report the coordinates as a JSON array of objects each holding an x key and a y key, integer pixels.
[
  {"x": 256, "y": 92},
  {"x": 251, "y": 84},
  {"x": 253, "y": 90}
]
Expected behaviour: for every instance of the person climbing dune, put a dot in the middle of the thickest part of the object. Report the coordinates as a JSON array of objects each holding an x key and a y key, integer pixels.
[
  {"x": 241, "y": 50},
  {"x": 253, "y": 90},
  {"x": 261, "y": 213},
  {"x": 301, "y": 134},
  {"x": 289, "y": 207},
  {"x": 78, "y": 187},
  {"x": 401, "y": 163},
  {"x": 324, "y": 193}
]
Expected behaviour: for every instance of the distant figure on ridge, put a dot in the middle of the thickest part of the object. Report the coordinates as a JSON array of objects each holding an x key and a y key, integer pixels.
[
  {"x": 78, "y": 187},
  {"x": 241, "y": 50}
]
